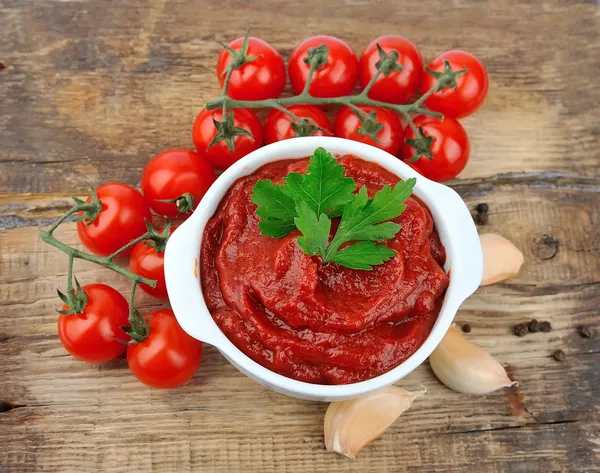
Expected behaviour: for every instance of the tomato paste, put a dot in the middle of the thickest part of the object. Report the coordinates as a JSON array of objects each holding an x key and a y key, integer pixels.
[{"x": 314, "y": 322}]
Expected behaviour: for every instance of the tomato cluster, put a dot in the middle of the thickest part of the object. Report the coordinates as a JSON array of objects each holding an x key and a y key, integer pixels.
[
  {"x": 262, "y": 77},
  {"x": 173, "y": 183}
]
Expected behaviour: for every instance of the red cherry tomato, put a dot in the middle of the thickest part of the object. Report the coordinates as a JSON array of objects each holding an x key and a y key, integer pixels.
[
  {"x": 348, "y": 125},
  {"x": 279, "y": 124},
  {"x": 122, "y": 219},
  {"x": 263, "y": 78},
  {"x": 173, "y": 173},
  {"x": 90, "y": 336},
  {"x": 412, "y": 166},
  {"x": 450, "y": 148},
  {"x": 219, "y": 155},
  {"x": 397, "y": 86},
  {"x": 168, "y": 357},
  {"x": 335, "y": 78},
  {"x": 471, "y": 88},
  {"x": 148, "y": 263}
]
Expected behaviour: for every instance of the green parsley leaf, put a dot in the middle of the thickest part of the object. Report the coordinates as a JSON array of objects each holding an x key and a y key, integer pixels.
[
  {"x": 363, "y": 255},
  {"x": 324, "y": 186},
  {"x": 315, "y": 233},
  {"x": 361, "y": 216},
  {"x": 276, "y": 228},
  {"x": 309, "y": 201},
  {"x": 275, "y": 208}
]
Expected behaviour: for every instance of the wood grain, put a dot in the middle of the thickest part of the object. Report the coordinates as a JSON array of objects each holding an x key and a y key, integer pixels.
[{"x": 90, "y": 92}]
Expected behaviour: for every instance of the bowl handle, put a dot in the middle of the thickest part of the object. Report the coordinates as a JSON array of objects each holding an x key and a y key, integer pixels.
[
  {"x": 467, "y": 247},
  {"x": 182, "y": 276}
]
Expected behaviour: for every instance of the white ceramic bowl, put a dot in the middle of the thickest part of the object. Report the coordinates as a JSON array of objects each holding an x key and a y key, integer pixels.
[{"x": 452, "y": 219}]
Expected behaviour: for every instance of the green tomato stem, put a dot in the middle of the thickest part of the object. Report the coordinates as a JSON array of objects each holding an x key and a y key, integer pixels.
[
  {"x": 411, "y": 123},
  {"x": 294, "y": 117},
  {"x": 347, "y": 100},
  {"x": 145, "y": 236},
  {"x": 366, "y": 90},
  {"x": 360, "y": 113},
  {"x": 70, "y": 212},
  {"x": 224, "y": 92},
  {"x": 132, "y": 300},
  {"x": 424, "y": 97},
  {"x": 74, "y": 253},
  {"x": 70, "y": 276}
]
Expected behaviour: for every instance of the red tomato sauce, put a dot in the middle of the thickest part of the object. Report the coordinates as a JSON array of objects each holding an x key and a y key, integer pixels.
[{"x": 324, "y": 324}]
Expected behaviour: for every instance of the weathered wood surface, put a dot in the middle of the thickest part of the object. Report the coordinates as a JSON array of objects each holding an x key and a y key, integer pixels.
[{"x": 90, "y": 90}]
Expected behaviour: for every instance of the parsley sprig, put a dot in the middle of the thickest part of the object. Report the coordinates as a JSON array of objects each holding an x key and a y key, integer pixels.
[{"x": 309, "y": 201}]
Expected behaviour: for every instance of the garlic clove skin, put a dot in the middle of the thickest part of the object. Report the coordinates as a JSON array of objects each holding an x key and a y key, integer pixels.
[
  {"x": 467, "y": 368},
  {"x": 350, "y": 425},
  {"x": 501, "y": 259}
]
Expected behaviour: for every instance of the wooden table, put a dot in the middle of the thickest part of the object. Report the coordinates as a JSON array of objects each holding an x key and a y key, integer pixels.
[{"x": 90, "y": 90}]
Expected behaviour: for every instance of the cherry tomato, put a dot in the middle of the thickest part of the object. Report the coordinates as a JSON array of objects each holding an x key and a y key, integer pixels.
[
  {"x": 149, "y": 263},
  {"x": 168, "y": 357},
  {"x": 471, "y": 88},
  {"x": 279, "y": 124},
  {"x": 219, "y": 155},
  {"x": 90, "y": 336},
  {"x": 122, "y": 219},
  {"x": 412, "y": 166},
  {"x": 450, "y": 148},
  {"x": 335, "y": 78},
  {"x": 263, "y": 78},
  {"x": 348, "y": 125},
  {"x": 397, "y": 86},
  {"x": 173, "y": 173}
]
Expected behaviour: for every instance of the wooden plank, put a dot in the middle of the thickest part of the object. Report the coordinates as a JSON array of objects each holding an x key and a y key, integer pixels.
[
  {"x": 222, "y": 421},
  {"x": 94, "y": 100},
  {"x": 90, "y": 93}
]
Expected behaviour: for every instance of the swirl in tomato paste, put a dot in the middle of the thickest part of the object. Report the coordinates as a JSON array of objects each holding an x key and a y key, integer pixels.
[{"x": 324, "y": 324}]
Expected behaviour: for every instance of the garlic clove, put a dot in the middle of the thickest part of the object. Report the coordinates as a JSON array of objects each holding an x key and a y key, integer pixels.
[
  {"x": 350, "y": 425},
  {"x": 466, "y": 367},
  {"x": 501, "y": 259}
]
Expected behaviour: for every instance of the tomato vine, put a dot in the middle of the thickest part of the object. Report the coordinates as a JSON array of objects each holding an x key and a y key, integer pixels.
[
  {"x": 75, "y": 298},
  {"x": 317, "y": 58}
]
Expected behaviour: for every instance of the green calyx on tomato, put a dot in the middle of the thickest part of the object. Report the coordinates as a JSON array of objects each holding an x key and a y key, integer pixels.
[
  {"x": 239, "y": 58},
  {"x": 138, "y": 328},
  {"x": 447, "y": 78},
  {"x": 317, "y": 57},
  {"x": 306, "y": 127},
  {"x": 184, "y": 203},
  {"x": 369, "y": 126},
  {"x": 90, "y": 210},
  {"x": 227, "y": 131},
  {"x": 75, "y": 300},
  {"x": 388, "y": 62},
  {"x": 157, "y": 239},
  {"x": 422, "y": 144},
  {"x": 168, "y": 357}
]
